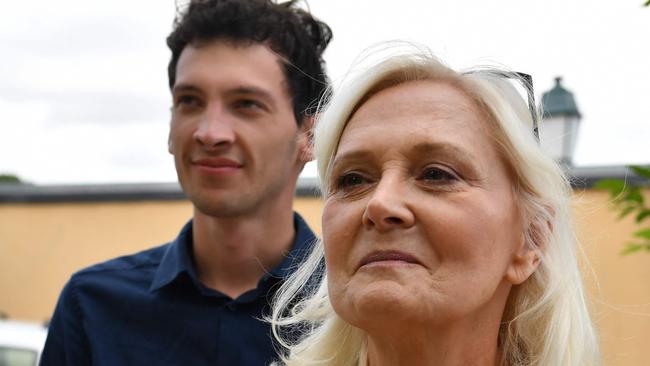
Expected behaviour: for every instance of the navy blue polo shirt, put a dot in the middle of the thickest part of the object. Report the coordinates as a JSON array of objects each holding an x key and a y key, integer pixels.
[{"x": 150, "y": 309}]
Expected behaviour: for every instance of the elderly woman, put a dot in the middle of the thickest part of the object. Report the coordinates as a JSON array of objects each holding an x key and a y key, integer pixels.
[{"x": 446, "y": 230}]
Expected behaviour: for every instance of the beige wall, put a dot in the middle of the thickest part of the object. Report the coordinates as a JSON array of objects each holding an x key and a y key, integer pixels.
[
  {"x": 41, "y": 245},
  {"x": 619, "y": 285}
]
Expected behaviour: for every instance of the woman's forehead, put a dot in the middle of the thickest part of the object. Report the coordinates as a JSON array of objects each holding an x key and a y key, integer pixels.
[
  {"x": 431, "y": 108},
  {"x": 423, "y": 119},
  {"x": 422, "y": 96}
]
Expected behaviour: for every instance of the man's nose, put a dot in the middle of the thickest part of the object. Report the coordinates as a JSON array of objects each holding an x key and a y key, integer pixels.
[{"x": 215, "y": 129}]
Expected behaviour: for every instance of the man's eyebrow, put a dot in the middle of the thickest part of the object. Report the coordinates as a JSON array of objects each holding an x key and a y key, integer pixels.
[
  {"x": 184, "y": 87},
  {"x": 238, "y": 91},
  {"x": 251, "y": 90}
]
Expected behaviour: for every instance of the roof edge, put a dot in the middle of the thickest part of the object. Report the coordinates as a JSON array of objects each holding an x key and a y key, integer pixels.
[{"x": 580, "y": 178}]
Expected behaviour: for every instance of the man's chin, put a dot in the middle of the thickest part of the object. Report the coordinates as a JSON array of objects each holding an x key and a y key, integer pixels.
[{"x": 226, "y": 208}]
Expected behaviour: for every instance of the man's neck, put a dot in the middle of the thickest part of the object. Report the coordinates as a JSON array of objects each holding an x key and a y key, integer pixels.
[{"x": 232, "y": 254}]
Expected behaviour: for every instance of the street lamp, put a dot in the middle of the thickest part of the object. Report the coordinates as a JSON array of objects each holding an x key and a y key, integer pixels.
[{"x": 560, "y": 120}]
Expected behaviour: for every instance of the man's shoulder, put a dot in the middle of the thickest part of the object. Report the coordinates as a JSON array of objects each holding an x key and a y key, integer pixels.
[{"x": 145, "y": 260}]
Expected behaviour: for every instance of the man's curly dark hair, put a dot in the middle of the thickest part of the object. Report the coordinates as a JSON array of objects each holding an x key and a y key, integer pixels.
[{"x": 288, "y": 30}]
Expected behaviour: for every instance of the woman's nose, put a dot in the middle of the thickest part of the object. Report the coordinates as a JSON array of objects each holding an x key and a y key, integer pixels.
[{"x": 387, "y": 208}]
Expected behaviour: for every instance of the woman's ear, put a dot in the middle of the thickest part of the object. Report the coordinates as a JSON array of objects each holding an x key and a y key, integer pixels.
[
  {"x": 527, "y": 256},
  {"x": 523, "y": 264}
]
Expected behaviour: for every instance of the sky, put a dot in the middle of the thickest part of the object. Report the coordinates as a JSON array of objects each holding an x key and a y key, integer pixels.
[{"x": 84, "y": 96}]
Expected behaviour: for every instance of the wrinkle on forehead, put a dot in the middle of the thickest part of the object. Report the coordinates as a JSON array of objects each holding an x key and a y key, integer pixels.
[
  {"x": 436, "y": 105},
  {"x": 439, "y": 115}
]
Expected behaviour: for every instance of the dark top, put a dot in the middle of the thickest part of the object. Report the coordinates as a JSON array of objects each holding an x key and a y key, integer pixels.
[{"x": 150, "y": 309}]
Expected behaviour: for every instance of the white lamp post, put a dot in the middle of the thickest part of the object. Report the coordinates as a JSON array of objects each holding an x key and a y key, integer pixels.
[{"x": 560, "y": 119}]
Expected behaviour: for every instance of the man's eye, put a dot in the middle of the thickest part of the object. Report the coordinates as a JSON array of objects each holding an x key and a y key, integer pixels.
[
  {"x": 248, "y": 104},
  {"x": 350, "y": 180},
  {"x": 187, "y": 101},
  {"x": 433, "y": 174}
]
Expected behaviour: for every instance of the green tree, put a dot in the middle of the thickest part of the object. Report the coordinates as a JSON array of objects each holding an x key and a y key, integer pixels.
[
  {"x": 9, "y": 178},
  {"x": 627, "y": 200}
]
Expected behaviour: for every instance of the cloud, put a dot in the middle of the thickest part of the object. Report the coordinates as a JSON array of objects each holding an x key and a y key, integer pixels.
[
  {"x": 87, "y": 153},
  {"x": 82, "y": 62},
  {"x": 73, "y": 107},
  {"x": 84, "y": 95}
]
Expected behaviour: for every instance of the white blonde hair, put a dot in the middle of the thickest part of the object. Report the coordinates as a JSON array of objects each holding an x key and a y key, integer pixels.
[{"x": 546, "y": 321}]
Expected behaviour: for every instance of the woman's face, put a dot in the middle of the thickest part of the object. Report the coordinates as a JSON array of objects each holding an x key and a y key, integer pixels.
[{"x": 421, "y": 223}]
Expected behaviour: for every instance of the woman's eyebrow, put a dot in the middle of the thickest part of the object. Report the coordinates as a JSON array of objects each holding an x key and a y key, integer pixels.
[
  {"x": 466, "y": 160},
  {"x": 353, "y": 155},
  {"x": 441, "y": 148},
  {"x": 422, "y": 148}
]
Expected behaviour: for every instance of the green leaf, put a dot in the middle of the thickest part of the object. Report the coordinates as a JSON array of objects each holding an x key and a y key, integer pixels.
[
  {"x": 614, "y": 186},
  {"x": 647, "y": 3},
  {"x": 634, "y": 195},
  {"x": 626, "y": 211},
  {"x": 641, "y": 170},
  {"x": 644, "y": 214},
  {"x": 631, "y": 248},
  {"x": 643, "y": 233}
]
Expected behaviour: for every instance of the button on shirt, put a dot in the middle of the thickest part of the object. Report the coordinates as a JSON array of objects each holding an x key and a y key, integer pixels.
[{"x": 150, "y": 309}]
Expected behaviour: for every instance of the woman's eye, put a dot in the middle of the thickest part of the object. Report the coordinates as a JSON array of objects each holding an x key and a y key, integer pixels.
[
  {"x": 350, "y": 180},
  {"x": 438, "y": 175}
]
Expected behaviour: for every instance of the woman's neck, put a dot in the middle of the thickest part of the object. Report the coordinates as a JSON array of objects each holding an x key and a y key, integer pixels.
[{"x": 458, "y": 345}]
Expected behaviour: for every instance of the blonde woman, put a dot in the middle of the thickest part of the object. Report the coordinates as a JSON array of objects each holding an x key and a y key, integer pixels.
[{"x": 447, "y": 234}]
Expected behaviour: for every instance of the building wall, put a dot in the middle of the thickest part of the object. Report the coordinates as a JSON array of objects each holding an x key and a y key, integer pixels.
[
  {"x": 41, "y": 245},
  {"x": 619, "y": 286}
]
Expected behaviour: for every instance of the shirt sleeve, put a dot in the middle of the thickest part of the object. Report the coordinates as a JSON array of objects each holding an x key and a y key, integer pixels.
[{"x": 66, "y": 343}]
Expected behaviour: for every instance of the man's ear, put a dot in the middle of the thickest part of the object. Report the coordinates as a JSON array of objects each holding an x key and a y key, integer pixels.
[
  {"x": 306, "y": 140},
  {"x": 170, "y": 145}
]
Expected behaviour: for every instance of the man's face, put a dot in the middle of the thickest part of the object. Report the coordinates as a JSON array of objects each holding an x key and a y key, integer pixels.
[{"x": 234, "y": 137}]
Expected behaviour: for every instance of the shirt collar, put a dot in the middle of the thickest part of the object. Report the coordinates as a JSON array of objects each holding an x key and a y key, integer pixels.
[
  {"x": 302, "y": 246},
  {"x": 177, "y": 258}
]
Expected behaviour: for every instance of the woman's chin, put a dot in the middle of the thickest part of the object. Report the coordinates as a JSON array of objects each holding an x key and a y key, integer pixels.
[{"x": 381, "y": 303}]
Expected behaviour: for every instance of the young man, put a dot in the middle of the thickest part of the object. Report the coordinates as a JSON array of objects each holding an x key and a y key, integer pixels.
[{"x": 244, "y": 76}]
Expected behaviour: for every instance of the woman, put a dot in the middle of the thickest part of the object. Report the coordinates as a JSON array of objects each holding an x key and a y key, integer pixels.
[{"x": 446, "y": 231}]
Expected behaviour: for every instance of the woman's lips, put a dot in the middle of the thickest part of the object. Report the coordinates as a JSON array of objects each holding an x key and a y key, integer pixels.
[{"x": 388, "y": 256}]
